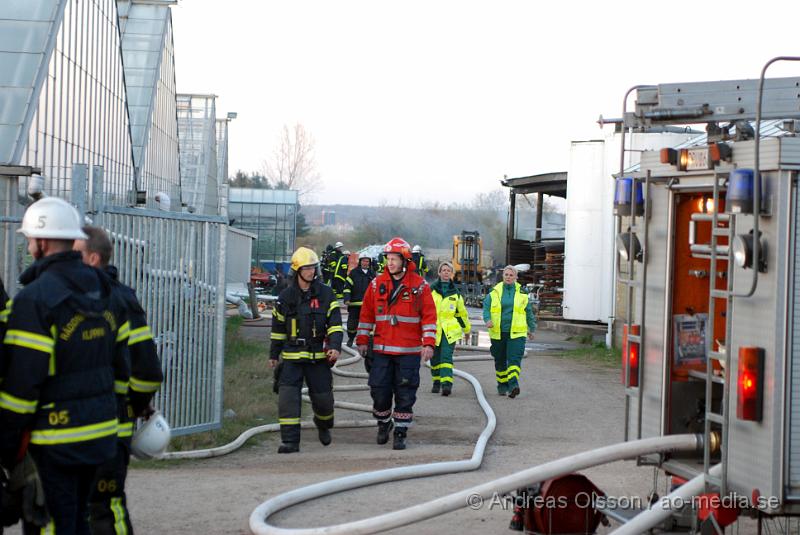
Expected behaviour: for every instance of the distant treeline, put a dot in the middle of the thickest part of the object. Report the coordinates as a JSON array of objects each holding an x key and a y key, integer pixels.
[{"x": 432, "y": 226}]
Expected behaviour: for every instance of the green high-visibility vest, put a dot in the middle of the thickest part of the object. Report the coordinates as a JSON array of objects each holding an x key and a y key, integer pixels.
[{"x": 519, "y": 319}]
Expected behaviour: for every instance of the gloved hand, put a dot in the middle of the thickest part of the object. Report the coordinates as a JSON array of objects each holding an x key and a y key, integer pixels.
[
  {"x": 24, "y": 481},
  {"x": 10, "y": 508}
]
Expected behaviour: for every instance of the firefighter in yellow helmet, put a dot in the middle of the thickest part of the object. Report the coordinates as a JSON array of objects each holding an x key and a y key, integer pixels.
[{"x": 307, "y": 337}]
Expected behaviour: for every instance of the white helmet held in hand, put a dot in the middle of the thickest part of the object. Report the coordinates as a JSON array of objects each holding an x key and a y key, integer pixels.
[
  {"x": 52, "y": 218},
  {"x": 152, "y": 438}
]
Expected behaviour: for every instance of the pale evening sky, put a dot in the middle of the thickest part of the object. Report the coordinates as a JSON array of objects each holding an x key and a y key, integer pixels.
[{"x": 438, "y": 99}]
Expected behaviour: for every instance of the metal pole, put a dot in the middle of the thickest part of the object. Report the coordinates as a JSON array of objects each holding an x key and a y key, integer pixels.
[
  {"x": 512, "y": 210},
  {"x": 539, "y": 210}
]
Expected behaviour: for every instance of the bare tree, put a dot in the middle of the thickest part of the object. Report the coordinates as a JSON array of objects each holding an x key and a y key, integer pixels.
[{"x": 292, "y": 165}]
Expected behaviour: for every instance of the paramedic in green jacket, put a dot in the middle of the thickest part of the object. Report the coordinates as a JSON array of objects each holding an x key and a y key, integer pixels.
[
  {"x": 509, "y": 317},
  {"x": 452, "y": 323}
]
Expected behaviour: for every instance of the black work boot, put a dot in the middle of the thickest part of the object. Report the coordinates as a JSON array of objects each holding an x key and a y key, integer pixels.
[
  {"x": 289, "y": 447},
  {"x": 447, "y": 389},
  {"x": 350, "y": 341},
  {"x": 384, "y": 428},
  {"x": 324, "y": 435},
  {"x": 399, "y": 439},
  {"x": 435, "y": 389},
  {"x": 514, "y": 392}
]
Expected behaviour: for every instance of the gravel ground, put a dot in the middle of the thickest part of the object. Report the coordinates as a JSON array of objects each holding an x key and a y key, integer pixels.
[{"x": 565, "y": 407}]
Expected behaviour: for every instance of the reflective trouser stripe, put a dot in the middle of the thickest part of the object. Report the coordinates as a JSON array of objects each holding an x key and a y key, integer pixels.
[
  {"x": 289, "y": 421},
  {"x": 320, "y": 417},
  {"x": 121, "y": 387},
  {"x": 120, "y": 523}
]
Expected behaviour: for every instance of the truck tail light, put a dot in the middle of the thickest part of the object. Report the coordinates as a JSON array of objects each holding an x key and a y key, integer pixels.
[
  {"x": 630, "y": 357},
  {"x": 750, "y": 389}
]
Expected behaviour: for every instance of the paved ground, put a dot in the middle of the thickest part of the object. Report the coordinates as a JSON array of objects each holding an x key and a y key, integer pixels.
[{"x": 565, "y": 407}]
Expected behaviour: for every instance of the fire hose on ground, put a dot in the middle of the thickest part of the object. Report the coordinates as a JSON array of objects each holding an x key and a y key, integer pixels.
[
  {"x": 271, "y": 428},
  {"x": 457, "y": 500}
]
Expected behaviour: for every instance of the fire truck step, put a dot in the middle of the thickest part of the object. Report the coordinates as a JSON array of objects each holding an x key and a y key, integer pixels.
[
  {"x": 716, "y": 355},
  {"x": 715, "y": 417},
  {"x": 724, "y": 232}
]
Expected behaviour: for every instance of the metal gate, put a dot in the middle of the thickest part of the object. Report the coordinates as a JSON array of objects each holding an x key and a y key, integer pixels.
[{"x": 176, "y": 264}]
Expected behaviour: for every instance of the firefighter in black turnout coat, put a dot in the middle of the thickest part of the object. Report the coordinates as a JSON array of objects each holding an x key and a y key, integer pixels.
[
  {"x": 356, "y": 286},
  {"x": 307, "y": 338},
  {"x": 65, "y": 351}
]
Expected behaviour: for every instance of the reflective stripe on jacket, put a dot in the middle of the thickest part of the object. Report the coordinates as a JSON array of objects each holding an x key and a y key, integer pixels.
[
  {"x": 448, "y": 311},
  {"x": 403, "y": 320},
  {"x": 519, "y": 321}
]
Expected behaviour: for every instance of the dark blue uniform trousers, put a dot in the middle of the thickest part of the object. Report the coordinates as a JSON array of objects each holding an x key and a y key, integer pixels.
[{"x": 394, "y": 378}]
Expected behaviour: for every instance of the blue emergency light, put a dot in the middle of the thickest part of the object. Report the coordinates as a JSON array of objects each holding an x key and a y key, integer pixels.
[
  {"x": 622, "y": 197},
  {"x": 739, "y": 199}
]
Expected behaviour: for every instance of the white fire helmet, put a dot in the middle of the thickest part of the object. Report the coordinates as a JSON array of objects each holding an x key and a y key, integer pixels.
[
  {"x": 151, "y": 439},
  {"x": 52, "y": 218}
]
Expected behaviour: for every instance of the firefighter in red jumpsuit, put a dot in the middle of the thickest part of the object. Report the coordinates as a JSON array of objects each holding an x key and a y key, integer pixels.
[{"x": 399, "y": 308}]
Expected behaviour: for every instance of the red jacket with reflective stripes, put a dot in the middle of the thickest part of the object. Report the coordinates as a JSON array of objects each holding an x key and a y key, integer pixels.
[{"x": 403, "y": 319}]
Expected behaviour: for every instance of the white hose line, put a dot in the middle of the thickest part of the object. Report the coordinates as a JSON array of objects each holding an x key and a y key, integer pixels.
[
  {"x": 258, "y": 518},
  {"x": 246, "y": 435},
  {"x": 457, "y": 500},
  {"x": 239, "y": 441},
  {"x": 666, "y": 506}
]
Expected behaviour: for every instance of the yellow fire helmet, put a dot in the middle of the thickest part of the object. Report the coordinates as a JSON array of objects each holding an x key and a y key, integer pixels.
[{"x": 302, "y": 257}]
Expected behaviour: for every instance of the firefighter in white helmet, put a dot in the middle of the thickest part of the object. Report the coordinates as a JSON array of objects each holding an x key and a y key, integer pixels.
[
  {"x": 65, "y": 353},
  {"x": 307, "y": 336}
]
